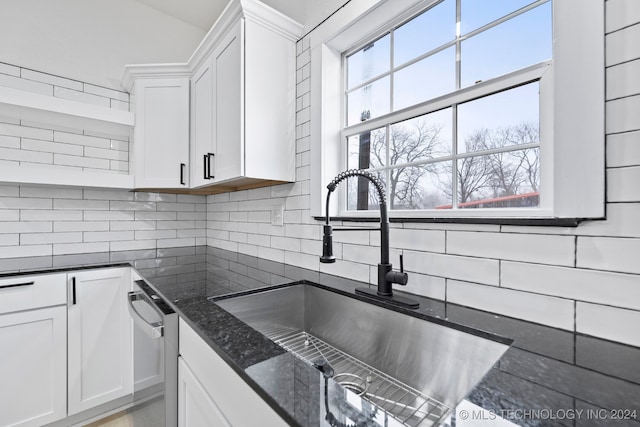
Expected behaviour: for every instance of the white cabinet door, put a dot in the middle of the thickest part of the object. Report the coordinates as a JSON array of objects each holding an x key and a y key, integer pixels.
[
  {"x": 100, "y": 350},
  {"x": 202, "y": 147},
  {"x": 33, "y": 366},
  {"x": 228, "y": 114},
  {"x": 229, "y": 394},
  {"x": 160, "y": 149},
  {"x": 195, "y": 406}
]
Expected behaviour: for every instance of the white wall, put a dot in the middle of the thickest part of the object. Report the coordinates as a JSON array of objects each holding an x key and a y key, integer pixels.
[
  {"x": 91, "y": 41},
  {"x": 585, "y": 279}
]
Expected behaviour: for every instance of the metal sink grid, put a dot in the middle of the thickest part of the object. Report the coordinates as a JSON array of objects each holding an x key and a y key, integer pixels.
[{"x": 404, "y": 403}]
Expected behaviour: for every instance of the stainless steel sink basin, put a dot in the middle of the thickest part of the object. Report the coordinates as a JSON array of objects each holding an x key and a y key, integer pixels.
[{"x": 415, "y": 369}]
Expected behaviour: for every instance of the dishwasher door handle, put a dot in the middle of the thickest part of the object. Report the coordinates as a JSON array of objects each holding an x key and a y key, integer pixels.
[{"x": 154, "y": 329}]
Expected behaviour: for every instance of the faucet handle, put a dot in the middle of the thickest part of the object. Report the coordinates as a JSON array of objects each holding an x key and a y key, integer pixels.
[{"x": 401, "y": 263}]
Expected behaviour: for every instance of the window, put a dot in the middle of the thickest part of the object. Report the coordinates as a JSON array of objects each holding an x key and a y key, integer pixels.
[
  {"x": 482, "y": 149},
  {"x": 464, "y": 108}
]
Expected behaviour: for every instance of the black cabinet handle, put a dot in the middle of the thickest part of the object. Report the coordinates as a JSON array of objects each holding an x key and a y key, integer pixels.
[
  {"x": 209, "y": 155},
  {"x": 73, "y": 290},
  {"x": 182, "y": 166},
  {"x": 206, "y": 168},
  {"x": 15, "y": 285}
]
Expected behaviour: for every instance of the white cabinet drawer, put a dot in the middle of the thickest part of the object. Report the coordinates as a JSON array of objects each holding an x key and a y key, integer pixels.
[{"x": 27, "y": 292}]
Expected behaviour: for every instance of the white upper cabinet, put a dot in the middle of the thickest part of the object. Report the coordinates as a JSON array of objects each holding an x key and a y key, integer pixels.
[
  {"x": 160, "y": 149},
  {"x": 242, "y": 108}
]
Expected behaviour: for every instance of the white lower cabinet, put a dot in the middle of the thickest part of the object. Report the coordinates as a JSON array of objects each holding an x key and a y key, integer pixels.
[
  {"x": 33, "y": 367},
  {"x": 211, "y": 393},
  {"x": 195, "y": 407},
  {"x": 100, "y": 352},
  {"x": 33, "y": 350}
]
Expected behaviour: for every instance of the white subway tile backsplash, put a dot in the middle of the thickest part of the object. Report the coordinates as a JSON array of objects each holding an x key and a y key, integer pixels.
[
  {"x": 51, "y": 147},
  {"x": 119, "y": 105},
  {"x": 26, "y": 227},
  {"x": 546, "y": 310},
  {"x": 620, "y": 14},
  {"x": 42, "y": 238},
  {"x": 9, "y": 191},
  {"x": 609, "y": 254},
  {"x": 622, "y": 81},
  {"x": 107, "y": 236},
  {"x": 622, "y": 184},
  {"x": 608, "y": 322},
  {"x": 25, "y": 132},
  {"x": 477, "y": 270},
  {"x": 26, "y": 156},
  {"x": 102, "y": 153},
  {"x": 622, "y": 46},
  {"x": 25, "y": 251},
  {"x": 155, "y": 234},
  {"x": 623, "y": 149},
  {"x": 302, "y": 260},
  {"x": 350, "y": 270},
  {"x": 108, "y": 216},
  {"x": 85, "y": 140},
  {"x": 106, "y": 194},
  {"x": 9, "y": 215},
  {"x": 50, "y": 79},
  {"x": 133, "y": 245},
  {"x": 117, "y": 205},
  {"x": 25, "y": 203},
  {"x": 622, "y": 290},
  {"x": 131, "y": 225},
  {"x": 622, "y": 221},
  {"x": 26, "y": 85},
  {"x": 50, "y": 215},
  {"x": 74, "y": 248},
  {"x": 419, "y": 240},
  {"x": 285, "y": 243},
  {"x": 86, "y": 98},
  {"x": 9, "y": 239},
  {"x": 50, "y": 192},
  {"x": 63, "y": 226},
  {"x": 84, "y": 162},
  {"x": 9, "y": 142},
  {"x": 12, "y": 70},
  {"x": 622, "y": 115},
  {"x": 170, "y": 243},
  {"x": 420, "y": 284},
  {"x": 546, "y": 249},
  {"x": 81, "y": 204},
  {"x": 106, "y": 93}
]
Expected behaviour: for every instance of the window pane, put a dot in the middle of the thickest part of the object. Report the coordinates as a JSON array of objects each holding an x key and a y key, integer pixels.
[
  {"x": 362, "y": 195},
  {"x": 421, "y": 187},
  {"x": 506, "y": 118},
  {"x": 367, "y": 149},
  {"x": 369, "y": 62},
  {"x": 476, "y": 13},
  {"x": 512, "y": 45},
  {"x": 503, "y": 180},
  {"x": 369, "y": 101},
  {"x": 421, "y": 138},
  {"x": 431, "y": 77},
  {"x": 425, "y": 32}
]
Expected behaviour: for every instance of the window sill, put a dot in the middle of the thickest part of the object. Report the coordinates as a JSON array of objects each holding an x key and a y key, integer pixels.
[{"x": 546, "y": 222}]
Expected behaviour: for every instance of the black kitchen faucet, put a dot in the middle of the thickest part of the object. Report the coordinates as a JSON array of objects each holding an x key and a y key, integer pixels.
[{"x": 386, "y": 275}]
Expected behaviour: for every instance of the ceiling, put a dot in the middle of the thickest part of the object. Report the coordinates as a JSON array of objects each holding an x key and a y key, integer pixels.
[{"x": 92, "y": 40}]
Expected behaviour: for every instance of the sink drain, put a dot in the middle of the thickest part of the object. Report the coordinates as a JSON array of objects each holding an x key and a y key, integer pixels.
[{"x": 352, "y": 382}]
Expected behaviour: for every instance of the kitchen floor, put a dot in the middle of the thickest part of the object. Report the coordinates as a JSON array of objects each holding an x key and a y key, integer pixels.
[{"x": 121, "y": 419}]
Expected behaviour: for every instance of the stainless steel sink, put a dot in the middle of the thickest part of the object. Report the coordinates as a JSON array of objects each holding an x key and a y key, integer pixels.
[{"x": 415, "y": 369}]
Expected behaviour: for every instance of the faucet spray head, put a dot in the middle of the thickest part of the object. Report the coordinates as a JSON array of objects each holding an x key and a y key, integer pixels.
[{"x": 327, "y": 246}]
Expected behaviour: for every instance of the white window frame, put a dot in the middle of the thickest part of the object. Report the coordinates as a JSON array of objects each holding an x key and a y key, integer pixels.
[{"x": 572, "y": 109}]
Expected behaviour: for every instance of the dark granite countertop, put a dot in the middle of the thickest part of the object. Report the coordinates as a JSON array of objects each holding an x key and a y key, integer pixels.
[{"x": 548, "y": 377}]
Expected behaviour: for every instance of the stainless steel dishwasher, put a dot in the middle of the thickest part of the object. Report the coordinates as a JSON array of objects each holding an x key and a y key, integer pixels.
[{"x": 155, "y": 360}]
